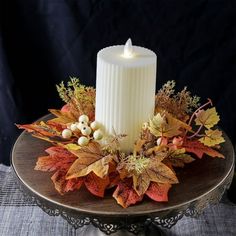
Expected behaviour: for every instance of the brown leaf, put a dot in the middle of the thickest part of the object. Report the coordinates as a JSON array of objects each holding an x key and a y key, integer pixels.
[
  {"x": 90, "y": 159},
  {"x": 139, "y": 145},
  {"x": 40, "y": 128},
  {"x": 179, "y": 158},
  {"x": 156, "y": 172},
  {"x": 125, "y": 195},
  {"x": 141, "y": 183},
  {"x": 158, "y": 192},
  {"x": 45, "y": 132},
  {"x": 156, "y": 151},
  {"x": 123, "y": 172},
  {"x": 55, "y": 140},
  {"x": 159, "y": 172}
]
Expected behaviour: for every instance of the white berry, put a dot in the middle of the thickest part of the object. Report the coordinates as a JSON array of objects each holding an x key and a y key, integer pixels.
[
  {"x": 84, "y": 118},
  {"x": 83, "y": 141},
  {"x": 81, "y": 124},
  {"x": 98, "y": 134},
  {"x": 66, "y": 133},
  {"x": 159, "y": 141},
  {"x": 73, "y": 127},
  {"x": 86, "y": 130},
  {"x": 95, "y": 125}
]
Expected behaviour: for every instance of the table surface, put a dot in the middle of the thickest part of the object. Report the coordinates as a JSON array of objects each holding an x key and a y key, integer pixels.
[{"x": 20, "y": 217}]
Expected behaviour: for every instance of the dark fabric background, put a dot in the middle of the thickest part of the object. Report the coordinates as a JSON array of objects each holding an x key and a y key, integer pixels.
[{"x": 45, "y": 41}]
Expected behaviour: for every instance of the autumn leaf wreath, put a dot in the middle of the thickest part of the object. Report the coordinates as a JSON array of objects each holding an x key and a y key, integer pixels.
[{"x": 81, "y": 154}]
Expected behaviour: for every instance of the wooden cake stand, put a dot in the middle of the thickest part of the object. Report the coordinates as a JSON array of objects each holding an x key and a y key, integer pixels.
[{"x": 202, "y": 182}]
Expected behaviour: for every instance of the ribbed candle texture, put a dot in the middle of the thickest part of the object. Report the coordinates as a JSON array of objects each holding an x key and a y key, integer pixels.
[{"x": 125, "y": 91}]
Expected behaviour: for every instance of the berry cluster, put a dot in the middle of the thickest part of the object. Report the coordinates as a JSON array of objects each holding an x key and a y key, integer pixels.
[{"x": 85, "y": 128}]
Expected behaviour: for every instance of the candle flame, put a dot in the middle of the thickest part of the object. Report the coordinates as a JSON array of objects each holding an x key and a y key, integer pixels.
[{"x": 128, "y": 49}]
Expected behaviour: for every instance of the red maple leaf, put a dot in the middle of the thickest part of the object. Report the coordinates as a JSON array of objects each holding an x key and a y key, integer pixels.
[
  {"x": 60, "y": 152},
  {"x": 58, "y": 159},
  {"x": 62, "y": 185},
  {"x": 65, "y": 108},
  {"x": 114, "y": 175},
  {"x": 158, "y": 191},
  {"x": 95, "y": 184},
  {"x": 199, "y": 149},
  {"x": 125, "y": 195}
]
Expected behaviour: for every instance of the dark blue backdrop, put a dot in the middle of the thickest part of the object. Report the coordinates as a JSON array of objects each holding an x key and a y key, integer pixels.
[{"x": 44, "y": 41}]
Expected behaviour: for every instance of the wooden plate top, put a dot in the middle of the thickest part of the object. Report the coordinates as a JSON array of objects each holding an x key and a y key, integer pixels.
[{"x": 196, "y": 179}]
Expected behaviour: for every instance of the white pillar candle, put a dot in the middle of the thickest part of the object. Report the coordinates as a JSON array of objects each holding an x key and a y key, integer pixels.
[{"x": 125, "y": 90}]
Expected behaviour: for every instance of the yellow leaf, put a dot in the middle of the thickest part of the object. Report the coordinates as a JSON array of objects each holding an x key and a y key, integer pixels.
[
  {"x": 212, "y": 138},
  {"x": 166, "y": 125},
  {"x": 207, "y": 118},
  {"x": 42, "y": 123},
  {"x": 179, "y": 151},
  {"x": 90, "y": 159},
  {"x": 72, "y": 147},
  {"x": 62, "y": 117}
]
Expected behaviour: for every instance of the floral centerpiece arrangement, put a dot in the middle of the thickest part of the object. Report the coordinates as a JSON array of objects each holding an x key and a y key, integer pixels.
[{"x": 83, "y": 155}]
